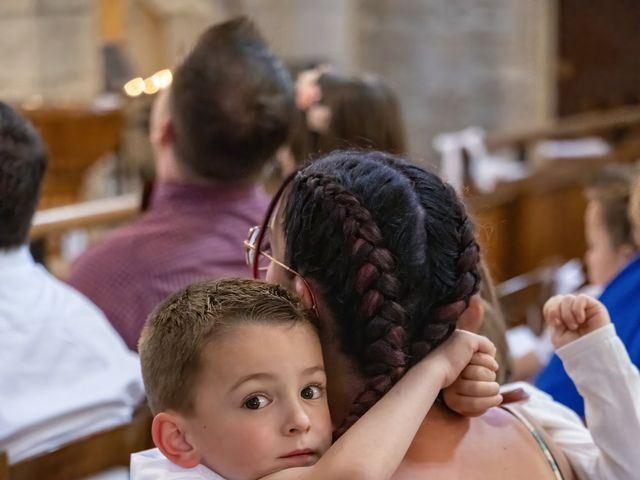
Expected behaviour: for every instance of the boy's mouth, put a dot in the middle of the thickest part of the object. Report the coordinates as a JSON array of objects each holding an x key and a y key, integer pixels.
[{"x": 299, "y": 453}]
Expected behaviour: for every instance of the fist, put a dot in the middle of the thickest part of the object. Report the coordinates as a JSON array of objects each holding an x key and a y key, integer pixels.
[{"x": 573, "y": 316}]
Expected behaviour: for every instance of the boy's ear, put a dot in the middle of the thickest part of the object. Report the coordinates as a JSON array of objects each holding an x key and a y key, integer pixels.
[
  {"x": 303, "y": 292},
  {"x": 472, "y": 318},
  {"x": 171, "y": 440},
  {"x": 627, "y": 251}
]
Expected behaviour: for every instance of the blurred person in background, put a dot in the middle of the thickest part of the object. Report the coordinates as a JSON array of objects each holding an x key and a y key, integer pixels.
[
  {"x": 229, "y": 108},
  {"x": 64, "y": 372}
]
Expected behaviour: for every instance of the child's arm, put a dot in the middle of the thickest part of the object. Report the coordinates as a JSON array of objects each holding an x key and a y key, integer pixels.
[
  {"x": 375, "y": 445},
  {"x": 598, "y": 363}
]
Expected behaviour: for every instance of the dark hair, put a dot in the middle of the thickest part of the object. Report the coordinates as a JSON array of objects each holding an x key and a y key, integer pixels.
[
  {"x": 611, "y": 190},
  {"x": 365, "y": 114},
  {"x": 402, "y": 254},
  {"x": 231, "y": 103},
  {"x": 23, "y": 161},
  {"x": 180, "y": 328}
]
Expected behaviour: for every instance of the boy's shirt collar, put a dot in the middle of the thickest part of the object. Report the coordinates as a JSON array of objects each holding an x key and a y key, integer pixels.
[{"x": 152, "y": 465}]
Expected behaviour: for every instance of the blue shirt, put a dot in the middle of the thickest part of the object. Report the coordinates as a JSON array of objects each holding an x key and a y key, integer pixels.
[{"x": 622, "y": 299}]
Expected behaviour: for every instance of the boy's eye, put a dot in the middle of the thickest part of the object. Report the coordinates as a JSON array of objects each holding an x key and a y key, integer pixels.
[
  {"x": 312, "y": 392},
  {"x": 256, "y": 402}
]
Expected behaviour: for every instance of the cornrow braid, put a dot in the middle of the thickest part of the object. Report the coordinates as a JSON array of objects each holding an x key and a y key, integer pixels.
[
  {"x": 379, "y": 317},
  {"x": 463, "y": 280}
]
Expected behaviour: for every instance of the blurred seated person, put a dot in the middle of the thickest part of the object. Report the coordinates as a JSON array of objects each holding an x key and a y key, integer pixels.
[
  {"x": 341, "y": 112},
  {"x": 64, "y": 372},
  {"x": 612, "y": 263},
  {"x": 229, "y": 108}
]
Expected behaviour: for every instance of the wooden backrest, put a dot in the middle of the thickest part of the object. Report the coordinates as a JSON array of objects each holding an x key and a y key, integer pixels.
[
  {"x": 86, "y": 456},
  {"x": 93, "y": 213},
  {"x": 523, "y": 297},
  {"x": 601, "y": 123}
]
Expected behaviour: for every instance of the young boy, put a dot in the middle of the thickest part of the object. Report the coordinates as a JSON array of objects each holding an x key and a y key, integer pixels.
[{"x": 234, "y": 374}]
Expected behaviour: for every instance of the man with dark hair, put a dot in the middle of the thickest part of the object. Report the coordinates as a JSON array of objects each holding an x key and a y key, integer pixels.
[
  {"x": 229, "y": 108},
  {"x": 64, "y": 372}
]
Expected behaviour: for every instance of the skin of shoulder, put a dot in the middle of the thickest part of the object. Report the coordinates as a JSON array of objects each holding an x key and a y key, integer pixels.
[{"x": 493, "y": 445}]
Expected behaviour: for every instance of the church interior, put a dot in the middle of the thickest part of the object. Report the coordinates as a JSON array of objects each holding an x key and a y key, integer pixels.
[{"x": 523, "y": 107}]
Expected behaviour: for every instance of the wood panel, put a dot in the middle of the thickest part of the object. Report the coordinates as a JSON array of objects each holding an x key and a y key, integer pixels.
[
  {"x": 535, "y": 221},
  {"x": 75, "y": 138},
  {"x": 599, "y": 50}
]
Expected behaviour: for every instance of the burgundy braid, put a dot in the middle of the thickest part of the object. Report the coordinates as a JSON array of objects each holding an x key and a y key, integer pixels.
[
  {"x": 379, "y": 315},
  {"x": 445, "y": 314}
]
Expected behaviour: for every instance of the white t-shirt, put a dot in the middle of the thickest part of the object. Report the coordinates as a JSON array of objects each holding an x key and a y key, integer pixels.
[
  {"x": 64, "y": 371},
  {"x": 600, "y": 367},
  {"x": 153, "y": 465}
]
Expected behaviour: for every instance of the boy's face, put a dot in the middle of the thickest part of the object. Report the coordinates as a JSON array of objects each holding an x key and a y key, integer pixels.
[
  {"x": 603, "y": 260},
  {"x": 260, "y": 402}
]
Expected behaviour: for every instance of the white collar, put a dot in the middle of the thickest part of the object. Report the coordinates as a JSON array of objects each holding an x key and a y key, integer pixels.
[{"x": 15, "y": 258}]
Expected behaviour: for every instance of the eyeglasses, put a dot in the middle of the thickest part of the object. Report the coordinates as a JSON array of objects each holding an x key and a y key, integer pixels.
[{"x": 255, "y": 257}]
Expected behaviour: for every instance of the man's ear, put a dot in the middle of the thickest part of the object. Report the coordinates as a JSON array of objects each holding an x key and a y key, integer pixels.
[
  {"x": 302, "y": 290},
  {"x": 170, "y": 438},
  {"x": 165, "y": 133},
  {"x": 472, "y": 318}
]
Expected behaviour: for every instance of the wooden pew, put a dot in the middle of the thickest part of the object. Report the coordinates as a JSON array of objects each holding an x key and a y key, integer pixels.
[
  {"x": 620, "y": 127},
  {"x": 535, "y": 221},
  {"x": 532, "y": 222},
  {"x": 76, "y": 137},
  {"x": 85, "y": 215},
  {"x": 86, "y": 456}
]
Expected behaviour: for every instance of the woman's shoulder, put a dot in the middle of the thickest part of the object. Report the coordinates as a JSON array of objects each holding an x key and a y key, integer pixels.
[{"x": 494, "y": 445}]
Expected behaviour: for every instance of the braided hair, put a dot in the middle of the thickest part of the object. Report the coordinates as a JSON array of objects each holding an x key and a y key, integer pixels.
[{"x": 393, "y": 253}]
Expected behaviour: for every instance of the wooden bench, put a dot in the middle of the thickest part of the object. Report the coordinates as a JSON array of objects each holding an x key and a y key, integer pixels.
[
  {"x": 84, "y": 215},
  {"x": 524, "y": 224},
  {"x": 85, "y": 456},
  {"x": 523, "y": 297}
]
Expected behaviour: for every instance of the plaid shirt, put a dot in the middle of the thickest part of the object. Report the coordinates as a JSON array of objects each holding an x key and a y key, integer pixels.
[{"x": 190, "y": 233}]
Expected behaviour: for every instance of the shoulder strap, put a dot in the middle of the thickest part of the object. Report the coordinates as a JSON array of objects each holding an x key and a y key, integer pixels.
[{"x": 557, "y": 460}]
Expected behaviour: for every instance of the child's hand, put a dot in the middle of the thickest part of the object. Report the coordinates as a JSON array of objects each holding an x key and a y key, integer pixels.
[
  {"x": 572, "y": 316},
  {"x": 469, "y": 371}
]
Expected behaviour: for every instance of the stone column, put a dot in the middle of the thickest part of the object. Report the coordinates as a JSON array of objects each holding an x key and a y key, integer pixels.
[
  {"x": 307, "y": 29},
  {"x": 457, "y": 63},
  {"x": 161, "y": 32}
]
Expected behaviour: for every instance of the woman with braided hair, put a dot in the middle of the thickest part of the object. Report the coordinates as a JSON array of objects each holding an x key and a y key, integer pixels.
[{"x": 385, "y": 254}]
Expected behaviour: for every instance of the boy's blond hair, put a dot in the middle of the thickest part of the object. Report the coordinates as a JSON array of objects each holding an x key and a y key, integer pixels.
[
  {"x": 611, "y": 189},
  {"x": 180, "y": 328}
]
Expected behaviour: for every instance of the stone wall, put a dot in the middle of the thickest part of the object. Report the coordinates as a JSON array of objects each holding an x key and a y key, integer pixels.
[
  {"x": 49, "y": 50},
  {"x": 454, "y": 63},
  {"x": 457, "y": 63}
]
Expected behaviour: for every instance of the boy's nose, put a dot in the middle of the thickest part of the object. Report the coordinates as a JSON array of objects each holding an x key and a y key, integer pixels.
[{"x": 297, "y": 421}]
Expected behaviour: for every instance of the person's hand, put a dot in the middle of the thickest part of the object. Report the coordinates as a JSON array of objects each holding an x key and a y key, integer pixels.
[
  {"x": 468, "y": 368},
  {"x": 573, "y": 316}
]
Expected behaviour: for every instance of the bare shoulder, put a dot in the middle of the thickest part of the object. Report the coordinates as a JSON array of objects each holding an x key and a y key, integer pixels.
[{"x": 492, "y": 446}]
